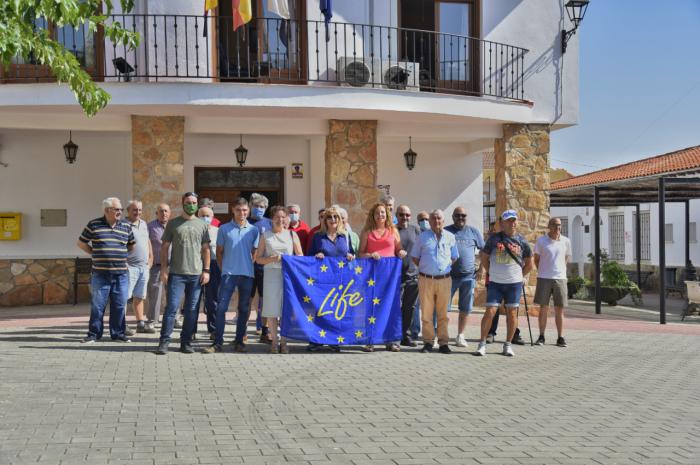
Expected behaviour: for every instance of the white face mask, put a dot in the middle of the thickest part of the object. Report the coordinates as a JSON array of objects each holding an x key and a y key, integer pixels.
[{"x": 206, "y": 219}]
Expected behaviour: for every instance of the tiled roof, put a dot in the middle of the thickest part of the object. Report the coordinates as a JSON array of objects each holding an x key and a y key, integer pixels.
[
  {"x": 489, "y": 161},
  {"x": 681, "y": 160}
]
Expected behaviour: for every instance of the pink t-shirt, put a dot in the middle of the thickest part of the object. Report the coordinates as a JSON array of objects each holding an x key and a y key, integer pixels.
[{"x": 384, "y": 245}]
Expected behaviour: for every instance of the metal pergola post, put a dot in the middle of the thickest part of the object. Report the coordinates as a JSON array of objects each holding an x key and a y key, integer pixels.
[
  {"x": 638, "y": 245},
  {"x": 662, "y": 251},
  {"x": 596, "y": 222},
  {"x": 687, "y": 233}
]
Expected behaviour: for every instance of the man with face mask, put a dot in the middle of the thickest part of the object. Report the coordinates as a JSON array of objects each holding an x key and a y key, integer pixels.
[
  {"x": 155, "y": 287},
  {"x": 258, "y": 206},
  {"x": 423, "y": 222},
  {"x": 186, "y": 270},
  {"x": 296, "y": 224}
]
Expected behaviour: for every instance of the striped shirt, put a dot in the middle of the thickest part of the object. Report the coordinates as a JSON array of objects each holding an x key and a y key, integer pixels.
[{"x": 109, "y": 244}]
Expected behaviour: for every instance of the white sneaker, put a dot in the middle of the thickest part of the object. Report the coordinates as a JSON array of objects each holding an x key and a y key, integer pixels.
[
  {"x": 481, "y": 350},
  {"x": 508, "y": 349},
  {"x": 460, "y": 341}
]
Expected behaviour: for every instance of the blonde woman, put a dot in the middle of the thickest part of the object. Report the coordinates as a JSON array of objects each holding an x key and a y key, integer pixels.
[{"x": 380, "y": 238}]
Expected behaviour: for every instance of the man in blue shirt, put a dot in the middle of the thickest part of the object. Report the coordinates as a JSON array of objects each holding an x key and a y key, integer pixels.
[
  {"x": 434, "y": 253},
  {"x": 464, "y": 271},
  {"x": 236, "y": 246}
]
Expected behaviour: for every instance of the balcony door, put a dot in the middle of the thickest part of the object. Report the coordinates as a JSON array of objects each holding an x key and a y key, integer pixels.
[
  {"x": 267, "y": 49},
  {"x": 447, "y": 59}
]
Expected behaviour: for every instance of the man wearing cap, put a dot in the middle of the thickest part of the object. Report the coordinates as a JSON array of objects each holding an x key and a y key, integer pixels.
[
  {"x": 506, "y": 258},
  {"x": 552, "y": 253}
]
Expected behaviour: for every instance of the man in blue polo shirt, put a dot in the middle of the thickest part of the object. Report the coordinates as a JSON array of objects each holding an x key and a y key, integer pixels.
[
  {"x": 434, "y": 252},
  {"x": 464, "y": 271},
  {"x": 236, "y": 245},
  {"x": 108, "y": 240}
]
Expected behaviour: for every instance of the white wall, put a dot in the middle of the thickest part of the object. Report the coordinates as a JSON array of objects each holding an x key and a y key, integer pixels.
[
  {"x": 38, "y": 177},
  {"x": 446, "y": 176},
  {"x": 263, "y": 151}
]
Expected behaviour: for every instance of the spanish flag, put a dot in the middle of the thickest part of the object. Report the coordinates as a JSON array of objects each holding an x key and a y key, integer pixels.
[
  {"x": 242, "y": 13},
  {"x": 210, "y": 5}
]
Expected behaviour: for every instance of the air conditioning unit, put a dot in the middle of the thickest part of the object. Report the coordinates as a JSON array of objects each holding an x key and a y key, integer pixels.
[
  {"x": 402, "y": 75},
  {"x": 359, "y": 71}
]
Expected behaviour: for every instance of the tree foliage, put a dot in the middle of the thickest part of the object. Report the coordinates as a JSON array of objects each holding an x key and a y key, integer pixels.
[{"x": 20, "y": 37}]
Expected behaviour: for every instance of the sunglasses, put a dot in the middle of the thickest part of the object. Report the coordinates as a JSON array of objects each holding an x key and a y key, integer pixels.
[
  {"x": 456, "y": 215},
  {"x": 333, "y": 216},
  {"x": 404, "y": 215},
  {"x": 190, "y": 194},
  {"x": 116, "y": 209}
]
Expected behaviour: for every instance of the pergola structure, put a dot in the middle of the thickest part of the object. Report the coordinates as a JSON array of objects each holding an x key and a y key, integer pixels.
[{"x": 672, "y": 177}]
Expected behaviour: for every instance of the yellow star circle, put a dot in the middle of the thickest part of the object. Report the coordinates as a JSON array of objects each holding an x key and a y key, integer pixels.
[
  {"x": 375, "y": 301},
  {"x": 310, "y": 281},
  {"x": 341, "y": 264},
  {"x": 324, "y": 268},
  {"x": 358, "y": 333},
  {"x": 322, "y": 333},
  {"x": 372, "y": 320},
  {"x": 358, "y": 269},
  {"x": 370, "y": 283},
  {"x": 307, "y": 299},
  {"x": 341, "y": 339},
  {"x": 310, "y": 317}
]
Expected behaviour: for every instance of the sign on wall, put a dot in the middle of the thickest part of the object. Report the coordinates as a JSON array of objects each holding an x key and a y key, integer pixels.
[{"x": 297, "y": 171}]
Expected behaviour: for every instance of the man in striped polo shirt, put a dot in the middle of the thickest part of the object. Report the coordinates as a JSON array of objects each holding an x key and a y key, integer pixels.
[{"x": 108, "y": 240}]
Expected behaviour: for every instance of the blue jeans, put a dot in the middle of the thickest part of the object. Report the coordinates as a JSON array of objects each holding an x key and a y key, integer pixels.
[
  {"x": 497, "y": 293},
  {"x": 465, "y": 286},
  {"x": 228, "y": 285},
  {"x": 177, "y": 284},
  {"x": 106, "y": 286}
]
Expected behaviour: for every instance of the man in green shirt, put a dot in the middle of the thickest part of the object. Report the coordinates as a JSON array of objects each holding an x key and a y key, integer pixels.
[{"x": 184, "y": 269}]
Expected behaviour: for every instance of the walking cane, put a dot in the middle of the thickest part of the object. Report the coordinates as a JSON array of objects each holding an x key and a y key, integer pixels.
[{"x": 527, "y": 314}]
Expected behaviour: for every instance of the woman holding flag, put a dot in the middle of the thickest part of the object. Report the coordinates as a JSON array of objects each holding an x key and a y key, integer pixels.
[{"x": 379, "y": 239}]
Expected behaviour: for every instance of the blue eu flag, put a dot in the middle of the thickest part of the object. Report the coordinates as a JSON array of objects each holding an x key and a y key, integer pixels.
[{"x": 336, "y": 301}]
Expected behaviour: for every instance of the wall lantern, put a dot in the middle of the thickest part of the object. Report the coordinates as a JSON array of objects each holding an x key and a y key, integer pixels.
[
  {"x": 576, "y": 9},
  {"x": 241, "y": 153},
  {"x": 410, "y": 156},
  {"x": 70, "y": 149}
]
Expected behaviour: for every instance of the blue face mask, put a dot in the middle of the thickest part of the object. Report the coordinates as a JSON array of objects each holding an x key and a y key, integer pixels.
[
  {"x": 294, "y": 217},
  {"x": 424, "y": 225},
  {"x": 206, "y": 219},
  {"x": 257, "y": 212}
]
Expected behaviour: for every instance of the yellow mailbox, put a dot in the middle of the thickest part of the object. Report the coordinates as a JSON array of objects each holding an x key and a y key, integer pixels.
[{"x": 10, "y": 226}]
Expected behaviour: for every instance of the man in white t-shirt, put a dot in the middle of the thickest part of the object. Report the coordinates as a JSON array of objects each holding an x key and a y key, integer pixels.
[{"x": 552, "y": 253}]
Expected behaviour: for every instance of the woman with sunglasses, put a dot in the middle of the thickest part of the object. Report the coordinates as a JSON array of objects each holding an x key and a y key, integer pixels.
[
  {"x": 330, "y": 241},
  {"x": 379, "y": 239}
]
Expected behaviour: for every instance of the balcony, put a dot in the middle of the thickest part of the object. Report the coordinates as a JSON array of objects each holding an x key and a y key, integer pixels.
[{"x": 187, "y": 48}]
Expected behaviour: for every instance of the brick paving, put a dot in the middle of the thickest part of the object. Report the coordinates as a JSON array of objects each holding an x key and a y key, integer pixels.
[{"x": 624, "y": 392}]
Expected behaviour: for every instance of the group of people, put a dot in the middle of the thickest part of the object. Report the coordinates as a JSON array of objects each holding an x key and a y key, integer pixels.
[{"x": 193, "y": 258}]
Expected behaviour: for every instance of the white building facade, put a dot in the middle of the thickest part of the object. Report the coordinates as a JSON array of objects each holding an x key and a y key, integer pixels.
[{"x": 325, "y": 110}]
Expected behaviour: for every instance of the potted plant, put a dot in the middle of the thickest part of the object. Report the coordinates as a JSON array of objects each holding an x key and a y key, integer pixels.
[
  {"x": 573, "y": 285},
  {"x": 615, "y": 284}
]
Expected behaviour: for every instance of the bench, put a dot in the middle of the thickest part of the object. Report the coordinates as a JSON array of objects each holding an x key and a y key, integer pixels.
[{"x": 692, "y": 303}]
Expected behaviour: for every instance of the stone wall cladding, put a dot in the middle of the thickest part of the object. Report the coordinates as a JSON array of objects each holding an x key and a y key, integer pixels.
[
  {"x": 158, "y": 161},
  {"x": 351, "y": 168},
  {"x": 37, "y": 281}
]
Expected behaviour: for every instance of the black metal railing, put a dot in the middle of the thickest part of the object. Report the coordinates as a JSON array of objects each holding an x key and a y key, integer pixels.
[{"x": 272, "y": 50}]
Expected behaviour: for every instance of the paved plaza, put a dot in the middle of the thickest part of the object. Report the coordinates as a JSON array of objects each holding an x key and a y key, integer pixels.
[{"x": 626, "y": 390}]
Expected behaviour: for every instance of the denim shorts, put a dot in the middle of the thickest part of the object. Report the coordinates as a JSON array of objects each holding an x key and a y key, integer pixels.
[
  {"x": 465, "y": 287},
  {"x": 138, "y": 281},
  {"x": 509, "y": 294}
]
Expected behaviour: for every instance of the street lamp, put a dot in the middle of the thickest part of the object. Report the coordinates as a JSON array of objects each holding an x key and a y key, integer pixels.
[
  {"x": 410, "y": 156},
  {"x": 70, "y": 149},
  {"x": 241, "y": 153},
  {"x": 576, "y": 9}
]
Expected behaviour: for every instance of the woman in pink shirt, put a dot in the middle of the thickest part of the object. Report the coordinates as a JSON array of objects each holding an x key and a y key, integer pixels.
[{"x": 379, "y": 239}]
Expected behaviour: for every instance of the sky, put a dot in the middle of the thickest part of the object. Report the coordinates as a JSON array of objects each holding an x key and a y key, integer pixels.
[{"x": 639, "y": 84}]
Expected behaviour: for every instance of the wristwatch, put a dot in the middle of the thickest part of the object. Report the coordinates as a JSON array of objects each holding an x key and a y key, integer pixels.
[{"x": 205, "y": 270}]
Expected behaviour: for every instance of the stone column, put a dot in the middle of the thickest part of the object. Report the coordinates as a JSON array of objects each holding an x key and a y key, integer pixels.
[
  {"x": 351, "y": 168},
  {"x": 158, "y": 152},
  {"x": 522, "y": 179}
]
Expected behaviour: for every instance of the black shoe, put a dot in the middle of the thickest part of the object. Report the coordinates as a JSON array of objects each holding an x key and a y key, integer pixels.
[
  {"x": 444, "y": 349},
  {"x": 540, "y": 340},
  {"x": 186, "y": 349},
  {"x": 335, "y": 348},
  {"x": 312, "y": 347},
  {"x": 162, "y": 348},
  {"x": 518, "y": 340},
  {"x": 561, "y": 342},
  {"x": 212, "y": 349},
  {"x": 408, "y": 342},
  {"x": 122, "y": 339},
  {"x": 240, "y": 348},
  {"x": 427, "y": 348}
]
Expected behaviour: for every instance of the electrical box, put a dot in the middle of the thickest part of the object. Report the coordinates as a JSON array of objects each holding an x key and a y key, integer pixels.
[{"x": 10, "y": 226}]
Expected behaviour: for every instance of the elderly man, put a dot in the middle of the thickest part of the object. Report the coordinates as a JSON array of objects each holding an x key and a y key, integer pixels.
[
  {"x": 296, "y": 224},
  {"x": 155, "y": 287},
  {"x": 506, "y": 258},
  {"x": 209, "y": 203},
  {"x": 552, "y": 253},
  {"x": 434, "y": 253},
  {"x": 236, "y": 246},
  {"x": 409, "y": 273},
  {"x": 258, "y": 206},
  {"x": 139, "y": 262},
  {"x": 211, "y": 289},
  {"x": 464, "y": 272},
  {"x": 389, "y": 203},
  {"x": 185, "y": 269},
  {"x": 108, "y": 240}
]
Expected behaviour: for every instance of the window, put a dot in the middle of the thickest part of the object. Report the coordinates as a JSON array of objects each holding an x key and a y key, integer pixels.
[
  {"x": 489, "y": 216},
  {"x": 692, "y": 232},
  {"x": 669, "y": 232},
  {"x": 644, "y": 236},
  {"x": 617, "y": 236},
  {"x": 564, "y": 226}
]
